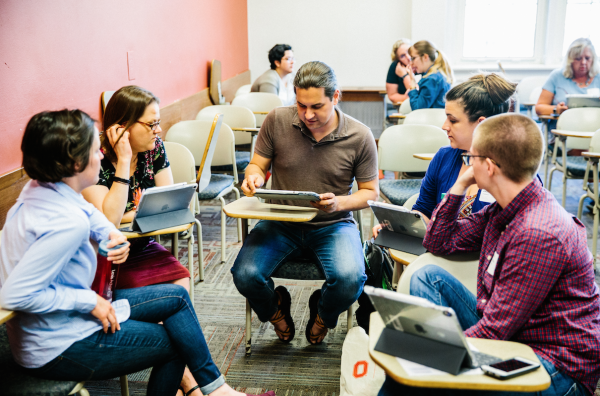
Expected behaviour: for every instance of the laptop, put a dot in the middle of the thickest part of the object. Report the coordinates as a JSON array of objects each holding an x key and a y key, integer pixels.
[
  {"x": 163, "y": 207},
  {"x": 584, "y": 100},
  {"x": 403, "y": 229},
  {"x": 420, "y": 331}
]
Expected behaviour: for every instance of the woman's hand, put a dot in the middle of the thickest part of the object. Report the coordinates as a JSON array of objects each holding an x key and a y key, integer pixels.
[
  {"x": 106, "y": 314},
  {"x": 401, "y": 70},
  {"x": 561, "y": 107},
  {"x": 117, "y": 256},
  {"x": 121, "y": 146}
]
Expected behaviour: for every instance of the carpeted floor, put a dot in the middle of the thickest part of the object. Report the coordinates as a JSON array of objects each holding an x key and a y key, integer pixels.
[{"x": 296, "y": 369}]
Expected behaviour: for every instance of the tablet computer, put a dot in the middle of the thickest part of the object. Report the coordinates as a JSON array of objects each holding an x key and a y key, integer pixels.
[
  {"x": 402, "y": 230},
  {"x": 287, "y": 195}
]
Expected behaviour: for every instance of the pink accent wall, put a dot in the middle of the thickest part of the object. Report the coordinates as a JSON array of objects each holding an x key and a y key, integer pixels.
[{"x": 65, "y": 53}]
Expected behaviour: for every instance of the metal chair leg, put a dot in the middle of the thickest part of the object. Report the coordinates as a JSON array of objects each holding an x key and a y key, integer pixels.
[
  {"x": 248, "y": 328},
  {"x": 223, "y": 232},
  {"x": 239, "y": 221},
  {"x": 595, "y": 234},
  {"x": 550, "y": 178},
  {"x": 580, "y": 206},
  {"x": 564, "y": 192},
  {"x": 124, "y": 386},
  {"x": 191, "y": 263},
  {"x": 200, "y": 253}
]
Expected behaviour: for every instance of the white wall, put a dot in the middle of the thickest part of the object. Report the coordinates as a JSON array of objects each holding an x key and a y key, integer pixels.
[{"x": 355, "y": 37}]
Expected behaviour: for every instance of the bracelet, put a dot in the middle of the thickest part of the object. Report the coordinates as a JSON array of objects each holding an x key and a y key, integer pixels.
[
  {"x": 120, "y": 180},
  {"x": 404, "y": 76}
]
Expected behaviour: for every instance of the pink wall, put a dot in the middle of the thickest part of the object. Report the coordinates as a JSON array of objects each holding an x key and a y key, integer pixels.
[{"x": 64, "y": 53}]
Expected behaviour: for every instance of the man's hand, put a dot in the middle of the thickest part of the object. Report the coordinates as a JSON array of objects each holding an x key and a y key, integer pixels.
[
  {"x": 465, "y": 180},
  {"x": 251, "y": 183},
  {"x": 106, "y": 314},
  {"x": 329, "y": 203},
  {"x": 117, "y": 256}
]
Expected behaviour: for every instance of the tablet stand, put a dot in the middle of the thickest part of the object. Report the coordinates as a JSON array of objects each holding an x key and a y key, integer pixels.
[{"x": 163, "y": 220}]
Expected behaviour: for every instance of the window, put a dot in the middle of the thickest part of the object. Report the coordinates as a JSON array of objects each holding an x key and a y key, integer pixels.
[
  {"x": 501, "y": 29},
  {"x": 582, "y": 20}
]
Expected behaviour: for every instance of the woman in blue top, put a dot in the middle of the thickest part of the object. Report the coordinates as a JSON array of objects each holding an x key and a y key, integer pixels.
[
  {"x": 467, "y": 104},
  {"x": 577, "y": 76},
  {"x": 436, "y": 80},
  {"x": 47, "y": 265}
]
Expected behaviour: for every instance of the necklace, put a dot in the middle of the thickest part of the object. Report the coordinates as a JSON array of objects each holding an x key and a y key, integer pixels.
[{"x": 585, "y": 84}]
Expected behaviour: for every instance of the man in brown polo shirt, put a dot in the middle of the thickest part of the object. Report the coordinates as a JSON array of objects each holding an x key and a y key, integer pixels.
[{"x": 311, "y": 146}]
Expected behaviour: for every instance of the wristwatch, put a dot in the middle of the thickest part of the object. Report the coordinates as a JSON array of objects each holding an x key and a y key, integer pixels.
[
  {"x": 404, "y": 76},
  {"x": 554, "y": 110}
]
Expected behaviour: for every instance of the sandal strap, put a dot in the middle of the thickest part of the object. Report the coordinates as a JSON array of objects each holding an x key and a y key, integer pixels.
[
  {"x": 188, "y": 393},
  {"x": 278, "y": 318},
  {"x": 319, "y": 323}
]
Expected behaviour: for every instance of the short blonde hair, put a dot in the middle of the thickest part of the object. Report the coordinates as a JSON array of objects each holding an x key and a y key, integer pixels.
[
  {"x": 575, "y": 50},
  {"x": 514, "y": 142},
  {"x": 397, "y": 45}
]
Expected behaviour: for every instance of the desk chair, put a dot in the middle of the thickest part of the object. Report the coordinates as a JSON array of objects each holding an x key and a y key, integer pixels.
[
  {"x": 585, "y": 119},
  {"x": 396, "y": 147},
  {"x": 435, "y": 117},
  {"x": 244, "y": 89},
  {"x": 591, "y": 189},
  {"x": 261, "y": 103},
  {"x": 405, "y": 107},
  {"x": 235, "y": 117},
  {"x": 525, "y": 90}
]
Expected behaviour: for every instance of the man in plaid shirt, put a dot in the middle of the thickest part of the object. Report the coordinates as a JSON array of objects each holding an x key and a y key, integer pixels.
[{"x": 535, "y": 282}]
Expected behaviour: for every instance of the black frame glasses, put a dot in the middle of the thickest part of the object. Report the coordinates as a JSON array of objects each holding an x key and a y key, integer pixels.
[
  {"x": 466, "y": 158},
  {"x": 152, "y": 126}
]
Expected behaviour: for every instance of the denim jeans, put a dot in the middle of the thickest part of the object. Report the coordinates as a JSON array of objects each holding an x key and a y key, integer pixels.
[
  {"x": 440, "y": 287},
  {"x": 335, "y": 248},
  {"x": 143, "y": 343}
]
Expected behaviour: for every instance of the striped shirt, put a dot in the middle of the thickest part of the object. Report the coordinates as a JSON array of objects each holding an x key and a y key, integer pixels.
[{"x": 535, "y": 282}]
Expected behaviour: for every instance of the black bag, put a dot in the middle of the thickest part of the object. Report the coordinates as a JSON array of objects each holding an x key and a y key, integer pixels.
[{"x": 379, "y": 268}]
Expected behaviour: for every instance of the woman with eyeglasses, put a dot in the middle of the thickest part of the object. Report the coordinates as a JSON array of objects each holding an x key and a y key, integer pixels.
[
  {"x": 467, "y": 104},
  {"x": 436, "y": 78},
  {"x": 134, "y": 160},
  {"x": 398, "y": 78}
]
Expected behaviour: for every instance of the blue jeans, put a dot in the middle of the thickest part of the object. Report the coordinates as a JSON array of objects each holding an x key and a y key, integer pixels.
[
  {"x": 142, "y": 343},
  {"x": 440, "y": 287},
  {"x": 335, "y": 248}
]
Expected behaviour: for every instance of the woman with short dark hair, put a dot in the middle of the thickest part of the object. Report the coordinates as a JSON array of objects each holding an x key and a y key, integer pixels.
[
  {"x": 47, "y": 265},
  {"x": 278, "y": 79}
]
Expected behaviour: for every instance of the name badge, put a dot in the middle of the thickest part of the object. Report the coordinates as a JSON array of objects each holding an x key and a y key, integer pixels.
[
  {"x": 485, "y": 196},
  {"x": 492, "y": 266}
]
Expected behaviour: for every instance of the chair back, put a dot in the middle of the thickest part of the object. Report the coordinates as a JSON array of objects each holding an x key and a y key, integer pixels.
[
  {"x": 200, "y": 137},
  {"x": 183, "y": 165},
  {"x": 215, "y": 82},
  {"x": 258, "y": 102},
  {"x": 410, "y": 202},
  {"x": 244, "y": 89},
  {"x": 225, "y": 150},
  {"x": 435, "y": 117},
  {"x": 405, "y": 107},
  {"x": 527, "y": 85},
  {"x": 583, "y": 119},
  {"x": 235, "y": 117},
  {"x": 398, "y": 143},
  {"x": 106, "y": 95},
  {"x": 595, "y": 142}
]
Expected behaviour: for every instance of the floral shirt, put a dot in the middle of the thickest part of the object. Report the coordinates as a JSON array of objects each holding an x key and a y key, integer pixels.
[{"x": 149, "y": 163}]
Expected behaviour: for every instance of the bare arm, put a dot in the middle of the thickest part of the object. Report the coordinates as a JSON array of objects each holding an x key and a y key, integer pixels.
[
  {"x": 544, "y": 104},
  {"x": 366, "y": 191},
  {"x": 255, "y": 174},
  {"x": 392, "y": 93}
]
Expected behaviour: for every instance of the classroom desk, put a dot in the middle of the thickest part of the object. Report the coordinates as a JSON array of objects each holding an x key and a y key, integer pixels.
[
  {"x": 546, "y": 119},
  {"x": 254, "y": 132},
  {"x": 424, "y": 156},
  {"x": 174, "y": 231},
  {"x": 6, "y": 315},
  {"x": 397, "y": 116},
  {"x": 537, "y": 380},
  {"x": 400, "y": 258},
  {"x": 529, "y": 107}
]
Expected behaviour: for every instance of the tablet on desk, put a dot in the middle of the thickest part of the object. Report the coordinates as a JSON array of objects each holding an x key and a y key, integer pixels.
[
  {"x": 402, "y": 230},
  {"x": 287, "y": 195}
]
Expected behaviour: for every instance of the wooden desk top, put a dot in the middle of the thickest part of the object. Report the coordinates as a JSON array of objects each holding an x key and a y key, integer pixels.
[
  {"x": 403, "y": 257},
  {"x": 246, "y": 129},
  {"x": 378, "y": 90},
  {"x": 547, "y": 117},
  {"x": 397, "y": 115},
  {"x": 589, "y": 154},
  {"x": 6, "y": 315},
  {"x": 424, "y": 156},
  {"x": 528, "y": 104},
  {"x": 562, "y": 132},
  {"x": 261, "y": 112},
  {"x": 252, "y": 208},
  {"x": 171, "y": 230},
  {"x": 535, "y": 381}
]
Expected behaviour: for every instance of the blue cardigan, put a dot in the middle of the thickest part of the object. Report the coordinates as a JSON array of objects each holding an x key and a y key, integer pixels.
[{"x": 431, "y": 94}]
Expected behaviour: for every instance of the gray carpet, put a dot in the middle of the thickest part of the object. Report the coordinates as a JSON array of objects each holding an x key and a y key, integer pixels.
[{"x": 295, "y": 369}]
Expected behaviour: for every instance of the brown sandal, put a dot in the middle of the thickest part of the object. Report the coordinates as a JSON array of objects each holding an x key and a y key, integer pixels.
[
  {"x": 284, "y": 302},
  {"x": 313, "y": 305}
]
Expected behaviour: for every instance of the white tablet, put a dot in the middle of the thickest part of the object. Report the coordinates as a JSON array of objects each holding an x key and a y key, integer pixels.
[{"x": 287, "y": 195}]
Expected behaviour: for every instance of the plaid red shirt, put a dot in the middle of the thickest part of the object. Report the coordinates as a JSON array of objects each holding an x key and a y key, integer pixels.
[{"x": 542, "y": 291}]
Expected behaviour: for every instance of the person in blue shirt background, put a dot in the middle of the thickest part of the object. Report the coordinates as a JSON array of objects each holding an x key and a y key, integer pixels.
[
  {"x": 467, "y": 104},
  {"x": 437, "y": 77}
]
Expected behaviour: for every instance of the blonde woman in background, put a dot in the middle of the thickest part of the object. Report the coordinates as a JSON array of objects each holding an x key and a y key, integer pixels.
[
  {"x": 398, "y": 78},
  {"x": 437, "y": 77}
]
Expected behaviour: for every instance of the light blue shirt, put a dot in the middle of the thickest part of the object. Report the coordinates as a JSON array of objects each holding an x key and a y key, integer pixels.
[
  {"x": 560, "y": 86},
  {"x": 47, "y": 265}
]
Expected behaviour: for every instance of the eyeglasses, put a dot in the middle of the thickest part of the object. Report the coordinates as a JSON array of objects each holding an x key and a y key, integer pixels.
[
  {"x": 467, "y": 159},
  {"x": 152, "y": 126}
]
